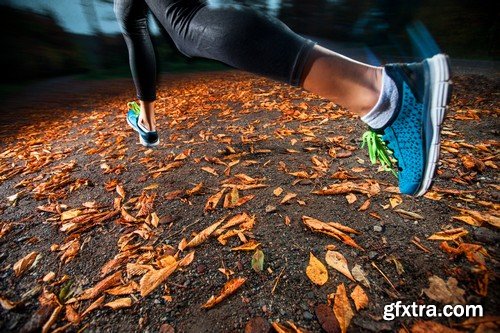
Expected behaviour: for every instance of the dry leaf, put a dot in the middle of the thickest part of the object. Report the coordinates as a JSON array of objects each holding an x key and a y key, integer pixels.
[
  {"x": 120, "y": 303},
  {"x": 229, "y": 288},
  {"x": 359, "y": 297},
  {"x": 203, "y": 235},
  {"x": 154, "y": 220},
  {"x": 154, "y": 278},
  {"x": 359, "y": 275},
  {"x": 335, "y": 230},
  {"x": 25, "y": 263},
  {"x": 289, "y": 196},
  {"x": 445, "y": 292},
  {"x": 127, "y": 289},
  {"x": 451, "y": 234},
  {"x": 100, "y": 287},
  {"x": 96, "y": 304},
  {"x": 248, "y": 246},
  {"x": 214, "y": 200},
  {"x": 187, "y": 260},
  {"x": 277, "y": 191},
  {"x": 316, "y": 271},
  {"x": 327, "y": 318},
  {"x": 337, "y": 261},
  {"x": 351, "y": 198},
  {"x": 120, "y": 191},
  {"x": 342, "y": 308},
  {"x": 195, "y": 190}
]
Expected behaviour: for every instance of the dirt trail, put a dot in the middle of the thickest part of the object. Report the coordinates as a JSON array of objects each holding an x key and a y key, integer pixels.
[{"x": 78, "y": 191}]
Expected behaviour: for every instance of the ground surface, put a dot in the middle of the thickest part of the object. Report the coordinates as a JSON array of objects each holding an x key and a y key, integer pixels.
[{"x": 80, "y": 198}]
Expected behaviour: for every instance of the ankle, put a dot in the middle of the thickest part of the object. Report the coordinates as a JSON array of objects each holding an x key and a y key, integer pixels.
[{"x": 149, "y": 125}]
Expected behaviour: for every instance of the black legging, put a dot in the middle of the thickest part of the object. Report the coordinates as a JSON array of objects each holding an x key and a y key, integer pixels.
[{"x": 236, "y": 35}]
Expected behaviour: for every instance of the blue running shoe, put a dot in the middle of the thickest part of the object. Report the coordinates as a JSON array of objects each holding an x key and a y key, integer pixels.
[
  {"x": 413, "y": 135},
  {"x": 147, "y": 138}
]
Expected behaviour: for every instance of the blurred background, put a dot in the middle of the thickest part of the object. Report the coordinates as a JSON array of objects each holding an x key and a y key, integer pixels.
[{"x": 53, "y": 38}]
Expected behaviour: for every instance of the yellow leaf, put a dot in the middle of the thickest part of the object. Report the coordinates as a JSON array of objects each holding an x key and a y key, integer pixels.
[
  {"x": 229, "y": 288},
  {"x": 342, "y": 309},
  {"x": 451, "y": 234},
  {"x": 359, "y": 297},
  {"x": 154, "y": 278},
  {"x": 25, "y": 263},
  {"x": 277, "y": 191},
  {"x": 69, "y": 214},
  {"x": 154, "y": 220},
  {"x": 316, "y": 271},
  {"x": 248, "y": 246},
  {"x": 351, "y": 198},
  {"x": 289, "y": 196},
  {"x": 120, "y": 303}
]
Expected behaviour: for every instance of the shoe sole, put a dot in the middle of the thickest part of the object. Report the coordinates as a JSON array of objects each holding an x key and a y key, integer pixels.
[
  {"x": 439, "y": 95},
  {"x": 141, "y": 140}
]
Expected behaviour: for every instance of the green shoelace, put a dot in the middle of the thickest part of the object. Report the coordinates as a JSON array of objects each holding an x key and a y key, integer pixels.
[
  {"x": 134, "y": 107},
  {"x": 377, "y": 150}
]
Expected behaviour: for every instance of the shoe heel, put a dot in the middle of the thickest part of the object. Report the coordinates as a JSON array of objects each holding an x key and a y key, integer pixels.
[{"x": 147, "y": 144}]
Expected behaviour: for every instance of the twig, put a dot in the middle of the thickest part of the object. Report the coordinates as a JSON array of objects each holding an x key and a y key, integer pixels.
[
  {"x": 385, "y": 276},
  {"x": 416, "y": 241},
  {"x": 277, "y": 280},
  {"x": 184, "y": 228}
]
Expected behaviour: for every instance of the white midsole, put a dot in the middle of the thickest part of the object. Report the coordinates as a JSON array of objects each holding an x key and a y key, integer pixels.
[
  {"x": 439, "y": 86},
  {"x": 142, "y": 141}
]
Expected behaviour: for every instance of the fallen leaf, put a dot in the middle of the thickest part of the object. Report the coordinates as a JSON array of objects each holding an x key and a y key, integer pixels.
[
  {"x": 445, "y": 292},
  {"x": 120, "y": 191},
  {"x": 359, "y": 275},
  {"x": 337, "y": 261},
  {"x": 316, "y": 271},
  {"x": 289, "y": 196},
  {"x": 277, "y": 191},
  {"x": 214, "y": 200},
  {"x": 96, "y": 304},
  {"x": 154, "y": 278},
  {"x": 351, "y": 198},
  {"x": 258, "y": 261},
  {"x": 25, "y": 263},
  {"x": 257, "y": 325},
  {"x": 248, "y": 246},
  {"x": 210, "y": 170},
  {"x": 100, "y": 287},
  {"x": 327, "y": 318},
  {"x": 120, "y": 303},
  {"x": 451, "y": 234},
  {"x": 331, "y": 229},
  {"x": 229, "y": 288},
  {"x": 342, "y": 308},
  {"x": 195, "y": 190},
  {"x": 359, "y": 297},
  {"x": 203, "y": 235}
]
